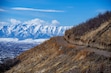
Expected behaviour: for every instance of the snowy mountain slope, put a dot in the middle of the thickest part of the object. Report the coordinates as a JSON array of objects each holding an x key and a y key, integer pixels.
[
  {"x": 34, "y": 31},
  {"x": 18, "y": 36}
]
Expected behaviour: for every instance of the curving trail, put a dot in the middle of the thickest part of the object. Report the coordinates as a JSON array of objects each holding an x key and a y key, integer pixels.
[{"x": 61, "y": 41}]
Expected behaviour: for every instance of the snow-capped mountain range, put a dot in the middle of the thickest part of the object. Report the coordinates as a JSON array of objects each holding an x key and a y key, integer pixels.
[
  {"x": 17, "y": 37},
  {"x": 33, "y": 31}
]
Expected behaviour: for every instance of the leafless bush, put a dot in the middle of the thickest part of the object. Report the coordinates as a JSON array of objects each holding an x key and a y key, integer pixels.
[{"x": 91, "y": 24}]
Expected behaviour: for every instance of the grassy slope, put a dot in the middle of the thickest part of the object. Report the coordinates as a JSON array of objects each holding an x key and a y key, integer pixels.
[
  {"x": 58, "y": 56},
  {"x": 93, "y": 33}
]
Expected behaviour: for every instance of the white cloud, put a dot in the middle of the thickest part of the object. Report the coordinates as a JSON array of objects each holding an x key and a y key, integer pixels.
[
  {"x": 22, "y": 41},
  {"x": 3, "y": 23},
  {"x": 2, "y": 10},
  {"x": 32, "y": 41},
  {"x": 14, "y": 21},
  {"x": 9, "y": 39},
  {"x": 36, "y": 21},
  {"x": 33, "y": 9},
  {"x": 20, "y": 8},
  {"x": 55, "y": 22}
]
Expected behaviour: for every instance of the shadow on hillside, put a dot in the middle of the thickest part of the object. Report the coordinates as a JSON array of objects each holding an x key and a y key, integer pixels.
[{"x": 8, "y": 64}]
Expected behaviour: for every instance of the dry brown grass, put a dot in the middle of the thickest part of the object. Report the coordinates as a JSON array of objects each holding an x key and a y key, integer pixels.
[
  {"x": 96, "y": 36},
  {"x": 50, "y": 57},
  {"x": 82, "y": 55}
]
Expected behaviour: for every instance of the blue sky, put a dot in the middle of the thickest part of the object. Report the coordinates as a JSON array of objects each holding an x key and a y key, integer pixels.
[{"x": 63, "y": 12}]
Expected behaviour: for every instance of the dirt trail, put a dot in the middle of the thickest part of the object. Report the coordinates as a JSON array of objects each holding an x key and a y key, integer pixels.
[{"x": 61, "y": 41}]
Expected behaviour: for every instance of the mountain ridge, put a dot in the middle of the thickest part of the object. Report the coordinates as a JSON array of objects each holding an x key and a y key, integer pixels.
[{"x": 25, "y": 31}]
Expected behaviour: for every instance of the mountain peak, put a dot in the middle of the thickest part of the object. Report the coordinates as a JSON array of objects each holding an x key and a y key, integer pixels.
[{"x": 26, "y": 31}]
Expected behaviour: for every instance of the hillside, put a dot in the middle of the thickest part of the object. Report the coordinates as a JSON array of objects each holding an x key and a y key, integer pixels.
[
  {"x": 95, "y": 32},
  {"x": 71, "y": 53}
]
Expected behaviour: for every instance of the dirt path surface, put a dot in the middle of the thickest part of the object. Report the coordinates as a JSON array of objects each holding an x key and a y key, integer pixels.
[{"x": 61, "y": 41}]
